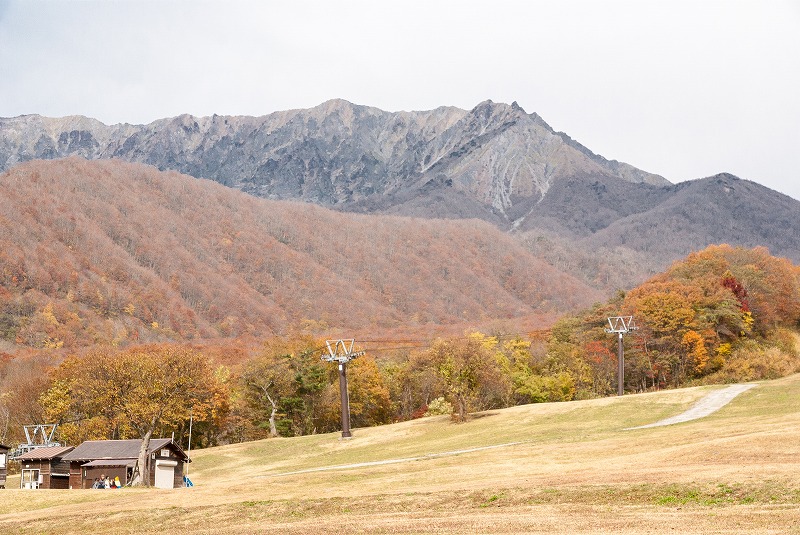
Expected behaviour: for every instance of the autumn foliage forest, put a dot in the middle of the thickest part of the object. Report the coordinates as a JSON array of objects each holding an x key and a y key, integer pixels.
[{"x": 108, "y": 267}]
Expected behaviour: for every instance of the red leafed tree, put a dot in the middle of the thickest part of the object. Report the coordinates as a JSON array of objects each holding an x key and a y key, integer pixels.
[{"x": 738, "y": 290}]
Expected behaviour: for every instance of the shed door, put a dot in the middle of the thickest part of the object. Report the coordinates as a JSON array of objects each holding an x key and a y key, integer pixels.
[
  {"x": 30, "y": 479},
  {"x": 165, "y": 474}
]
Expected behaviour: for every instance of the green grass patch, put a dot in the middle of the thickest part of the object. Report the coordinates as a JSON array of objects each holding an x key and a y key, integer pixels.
[{"x": 707, "y": 495}]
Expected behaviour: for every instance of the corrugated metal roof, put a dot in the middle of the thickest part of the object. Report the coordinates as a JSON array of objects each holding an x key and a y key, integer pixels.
[
  {"x": 92, "y": 450},
  {"x": 45, "y": 453},
  {"x": 112, "y": 462}
]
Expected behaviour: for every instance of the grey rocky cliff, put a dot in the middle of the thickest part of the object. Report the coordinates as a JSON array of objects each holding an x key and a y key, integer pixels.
[{"x": 494, "y": 162}]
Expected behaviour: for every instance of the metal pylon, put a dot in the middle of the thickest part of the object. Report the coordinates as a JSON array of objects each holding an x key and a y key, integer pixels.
[
  {"x": 620, "y": 325},
  {"x": 341, "y": 351}
]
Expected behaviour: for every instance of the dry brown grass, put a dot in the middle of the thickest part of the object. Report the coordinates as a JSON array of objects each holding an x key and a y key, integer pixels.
[{"x": 565, "y": 468}]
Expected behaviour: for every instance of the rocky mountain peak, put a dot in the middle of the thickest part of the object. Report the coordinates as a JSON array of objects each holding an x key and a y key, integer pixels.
[{"x": 494, "y": 161}]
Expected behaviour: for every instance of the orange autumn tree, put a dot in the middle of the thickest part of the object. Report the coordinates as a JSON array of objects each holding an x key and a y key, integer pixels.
[
  {"x": 695, "y": 313},
  {"x": 133, "y": 394},
  {"x": 696, "y": 351},
  {"x": 722, "y": 314},
  {"x": 370, "y": 403}
]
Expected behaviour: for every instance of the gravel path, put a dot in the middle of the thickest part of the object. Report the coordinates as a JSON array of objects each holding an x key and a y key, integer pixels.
[
  {"x": 392, "y": 461},
  {"x": 708, "y": 405}
]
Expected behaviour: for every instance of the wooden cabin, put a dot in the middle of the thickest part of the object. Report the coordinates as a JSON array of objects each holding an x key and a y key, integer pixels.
[
  {"x": 3, "y": 465},
  {"x": 44, "y": 468},
  {"x": 117, "y": 458}
]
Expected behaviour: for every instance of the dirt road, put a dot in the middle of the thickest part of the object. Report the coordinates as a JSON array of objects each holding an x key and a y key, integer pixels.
[{"x": 708, "y": 405}]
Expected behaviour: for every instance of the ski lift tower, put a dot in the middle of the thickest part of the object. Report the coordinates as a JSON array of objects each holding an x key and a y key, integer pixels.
[
  {"x": 341, "y": 351},
  {"x": 620, "y": 325},
  {"x": 38, "y": 436}
]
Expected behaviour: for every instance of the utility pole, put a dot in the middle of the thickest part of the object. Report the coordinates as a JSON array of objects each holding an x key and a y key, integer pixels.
[
  {"x": 341, "y": 351},
  {"x": 620, "y": 325},
  {"x": 189, "y": 450}
]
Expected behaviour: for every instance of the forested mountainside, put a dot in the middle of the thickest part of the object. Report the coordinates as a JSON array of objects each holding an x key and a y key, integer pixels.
[
  {"x": 605, "y": 222},
  {"x": 717, "y": 209},
  {"x": 114, "y": 252},
  {"x": 614, "y": 235},
  {"x": 494, "y": 162}
]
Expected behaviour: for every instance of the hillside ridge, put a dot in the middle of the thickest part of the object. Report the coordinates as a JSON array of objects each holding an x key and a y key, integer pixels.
[{"x": 109, "y": 251}]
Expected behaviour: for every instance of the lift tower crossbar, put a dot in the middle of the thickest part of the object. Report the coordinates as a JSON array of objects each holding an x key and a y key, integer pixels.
[
  {"x": 620, "y": 325},
  {"x": 341, "y": 351}
]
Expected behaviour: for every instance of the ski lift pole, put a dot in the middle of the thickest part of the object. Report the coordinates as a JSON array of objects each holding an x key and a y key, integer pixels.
[
  {"x": 620, "y": 325},
  {"x": 345, "y": 400},
  {"x": 341, "y": 351},
  {"x": 620, "y": 365}
]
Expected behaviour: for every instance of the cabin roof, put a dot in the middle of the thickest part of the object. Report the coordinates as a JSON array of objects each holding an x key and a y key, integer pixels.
[
  {"x": 94, "y": 450},
  {"x": 46, "y": 453},
  {"x": 112, "y": 462}
]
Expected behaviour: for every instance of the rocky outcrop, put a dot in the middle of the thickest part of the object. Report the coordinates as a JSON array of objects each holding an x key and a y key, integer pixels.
[{"x": 494, "y": 162}]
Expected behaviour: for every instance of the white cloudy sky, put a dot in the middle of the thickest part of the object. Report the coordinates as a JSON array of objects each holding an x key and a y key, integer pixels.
[{"x": 681, "y": 88}]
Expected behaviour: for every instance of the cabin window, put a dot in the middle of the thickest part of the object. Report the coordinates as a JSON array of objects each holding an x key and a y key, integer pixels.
[
  {"x": 2, "y": 460},
  {"x": 165, "y": 452},
  {"x": 30, "y": 478}
]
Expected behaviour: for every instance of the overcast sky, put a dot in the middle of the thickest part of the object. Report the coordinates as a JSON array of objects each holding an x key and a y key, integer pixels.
[{"x": 685, "y": 89}]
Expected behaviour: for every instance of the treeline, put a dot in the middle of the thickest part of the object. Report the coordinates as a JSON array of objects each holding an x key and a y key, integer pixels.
[
  {"x": 724, "y": 314},
  {"x": 286, "y": 389}
]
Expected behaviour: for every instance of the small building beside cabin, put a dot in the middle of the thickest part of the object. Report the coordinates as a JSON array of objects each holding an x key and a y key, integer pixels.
[
  {"x": 44, "y": 468},
  {"x": 117, "y": 459},
  {"x": 3, "y": 465}
]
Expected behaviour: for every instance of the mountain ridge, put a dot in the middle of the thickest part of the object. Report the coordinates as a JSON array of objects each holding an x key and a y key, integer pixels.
[
  {"x": 341, "y": 155},
  {"x": 495, "y": 162},
  {"x": 728, "y": 209}
]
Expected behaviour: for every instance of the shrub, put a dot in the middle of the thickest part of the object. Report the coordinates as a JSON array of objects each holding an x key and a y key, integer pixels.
[
  {"x": 439, "y": 407},
  {"x": 752, "y": 362}
]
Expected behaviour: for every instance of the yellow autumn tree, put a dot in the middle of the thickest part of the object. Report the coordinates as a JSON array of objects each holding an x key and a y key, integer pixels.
[
  {"x": 466, "y": 366},
  {"x": 369, "y": 396},
  {"x": 133, "y": 394}
]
